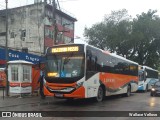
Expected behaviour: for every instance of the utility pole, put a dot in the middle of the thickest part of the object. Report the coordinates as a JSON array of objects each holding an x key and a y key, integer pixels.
[
  {"x": 45, "y": 3},
  {"x": 54, "y": 21},
  {"x": 6, "y": 50}
]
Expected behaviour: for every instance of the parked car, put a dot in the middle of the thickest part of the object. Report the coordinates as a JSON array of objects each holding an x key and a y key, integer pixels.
[
  {"x": 155, "y": 89},
  {"x": 151, "y": 83}
]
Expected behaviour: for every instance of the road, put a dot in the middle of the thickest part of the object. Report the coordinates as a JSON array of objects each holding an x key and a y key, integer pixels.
[{"x": 136, "y": 102}]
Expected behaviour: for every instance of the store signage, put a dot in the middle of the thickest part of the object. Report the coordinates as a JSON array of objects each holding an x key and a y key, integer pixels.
[{"x": 16, "y": 55}]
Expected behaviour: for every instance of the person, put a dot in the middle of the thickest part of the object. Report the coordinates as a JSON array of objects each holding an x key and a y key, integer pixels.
[{"x": 40, "y": 80}]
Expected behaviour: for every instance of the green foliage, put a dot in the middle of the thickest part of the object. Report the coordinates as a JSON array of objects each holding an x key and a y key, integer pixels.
[{"x": 137, "y": 39}]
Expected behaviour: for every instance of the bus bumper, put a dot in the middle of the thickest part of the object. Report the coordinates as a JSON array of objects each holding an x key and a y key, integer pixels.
[
  {"x": 140, "y": 88},
  {"x": 78, "y": 93}
]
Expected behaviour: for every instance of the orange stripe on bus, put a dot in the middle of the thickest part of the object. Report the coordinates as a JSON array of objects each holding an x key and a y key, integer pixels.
[{"x": 115, "y": 81}]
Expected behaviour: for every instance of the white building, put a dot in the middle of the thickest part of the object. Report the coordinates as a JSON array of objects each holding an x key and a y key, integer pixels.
[{"x": 30, "y": 27}]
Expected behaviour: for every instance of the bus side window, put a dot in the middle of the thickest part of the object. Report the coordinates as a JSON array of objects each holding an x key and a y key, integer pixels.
[
  {"x": 94, "y": 64},
  {"x": 91, "y": 63},
  {"x": 88, "y": 63}
]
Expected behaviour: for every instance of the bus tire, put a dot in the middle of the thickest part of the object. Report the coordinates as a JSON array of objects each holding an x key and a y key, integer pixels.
[
  {"x": 128, "y": 91},
  {"x": 100, "y": 94}
]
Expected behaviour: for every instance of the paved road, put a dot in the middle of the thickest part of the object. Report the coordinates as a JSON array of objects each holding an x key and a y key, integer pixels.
[{"x": 136, "y": 102}]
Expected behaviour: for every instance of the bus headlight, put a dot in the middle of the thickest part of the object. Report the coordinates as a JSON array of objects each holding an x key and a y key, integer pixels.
[
  {"x": 69, "y": 89},
  {"x": 153, "y": 89},
  {"x": 44, "y": 81},
  {"x": 79, "y": 85}
]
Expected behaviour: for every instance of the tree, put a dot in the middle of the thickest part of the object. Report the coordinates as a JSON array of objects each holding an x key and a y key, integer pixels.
[
  {"x": 112, "y": 34},
  {"x": 146, "y": 37},
  {"x": 137, "y": 39}
]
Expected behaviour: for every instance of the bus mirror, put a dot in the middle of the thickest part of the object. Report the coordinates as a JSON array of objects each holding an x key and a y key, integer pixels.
[{"x": 146, "y": 73}]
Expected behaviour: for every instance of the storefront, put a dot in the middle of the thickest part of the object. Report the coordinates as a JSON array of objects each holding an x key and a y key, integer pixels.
[{"x": 16, "y": 55}]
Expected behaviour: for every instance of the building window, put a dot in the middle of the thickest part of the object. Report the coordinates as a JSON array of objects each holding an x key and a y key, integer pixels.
[
  {"x": 12, "y": 18},
  {"x": 49, "y": 33},
  {"x": 14, "y": 73},
  {"x": 24, "y": 14},
  {"x": 2, "y": 33},
  {"x": 23, "y": 33},
  {"x": 12, "y": 35},
  {"x": 26, "y": 73},
  {"x": 68, "y": 24},
  {"x": 33, "y": 12},
  {"x": 58, "y": 19},
  {"x": 67, "y": 39}
]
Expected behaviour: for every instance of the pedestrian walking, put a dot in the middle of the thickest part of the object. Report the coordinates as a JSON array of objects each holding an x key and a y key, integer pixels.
[{"x": 40, "y": 80}]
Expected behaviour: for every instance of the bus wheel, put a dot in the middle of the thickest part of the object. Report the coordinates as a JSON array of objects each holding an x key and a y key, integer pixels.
[
  {"x": 100, "y": 94},
  {"x": 128, "y": 91}
]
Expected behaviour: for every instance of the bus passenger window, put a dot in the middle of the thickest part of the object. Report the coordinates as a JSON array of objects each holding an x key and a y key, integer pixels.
[
  {"x": 88, "y": 63},
  {"x": 91, "y": 63}
]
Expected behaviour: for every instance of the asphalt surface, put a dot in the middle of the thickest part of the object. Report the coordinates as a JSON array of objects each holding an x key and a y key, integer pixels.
[{"x": 136, "y": 102}]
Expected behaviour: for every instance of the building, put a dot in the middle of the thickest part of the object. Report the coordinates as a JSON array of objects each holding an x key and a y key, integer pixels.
[{"x": 31, "y": 28}]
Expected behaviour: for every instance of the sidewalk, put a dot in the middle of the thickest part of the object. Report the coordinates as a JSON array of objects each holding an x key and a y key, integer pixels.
[{"x": 17, "y": 100}]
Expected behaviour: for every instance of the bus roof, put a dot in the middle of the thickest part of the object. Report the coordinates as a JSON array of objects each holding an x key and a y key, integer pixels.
[
  {"x": 149, "y": 68},
  {"x": 114, "y": 55},
  {"x": 120, "y": 57}
]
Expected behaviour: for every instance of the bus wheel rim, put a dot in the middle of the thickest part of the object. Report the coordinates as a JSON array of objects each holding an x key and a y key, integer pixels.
[{"x": 100, "y": 94}]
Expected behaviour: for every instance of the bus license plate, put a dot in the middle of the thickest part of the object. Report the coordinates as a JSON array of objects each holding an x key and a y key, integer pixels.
[{"x": 58, "y": 95}]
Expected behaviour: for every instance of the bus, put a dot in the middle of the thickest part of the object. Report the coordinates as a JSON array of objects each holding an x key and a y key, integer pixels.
[
  {"x": 75, "y": 71},
  {"x": 147, "y": 77}
]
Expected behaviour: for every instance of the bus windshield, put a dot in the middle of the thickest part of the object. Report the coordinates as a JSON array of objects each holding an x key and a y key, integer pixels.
[
  {"x": 141, "y": 75},
  {"x": 65, "y": 66}
]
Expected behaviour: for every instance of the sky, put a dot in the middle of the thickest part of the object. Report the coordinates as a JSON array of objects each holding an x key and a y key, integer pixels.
[{"x": 89, "y": 12}]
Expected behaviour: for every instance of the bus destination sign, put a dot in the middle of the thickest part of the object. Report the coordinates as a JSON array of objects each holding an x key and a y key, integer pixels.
[{"x": 65, "y": 49}]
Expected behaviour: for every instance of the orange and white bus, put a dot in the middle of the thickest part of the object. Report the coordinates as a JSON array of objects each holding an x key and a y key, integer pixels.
[{"x": 83, "y": 71}]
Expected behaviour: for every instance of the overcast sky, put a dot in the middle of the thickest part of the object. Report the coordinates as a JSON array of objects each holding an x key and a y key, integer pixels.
[{"x": 89, "y": 12}]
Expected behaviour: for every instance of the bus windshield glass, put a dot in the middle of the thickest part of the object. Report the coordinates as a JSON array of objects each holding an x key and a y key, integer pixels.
[
  {"x": 141, "y": 75},
  {"x": 65, "y": 66}
]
